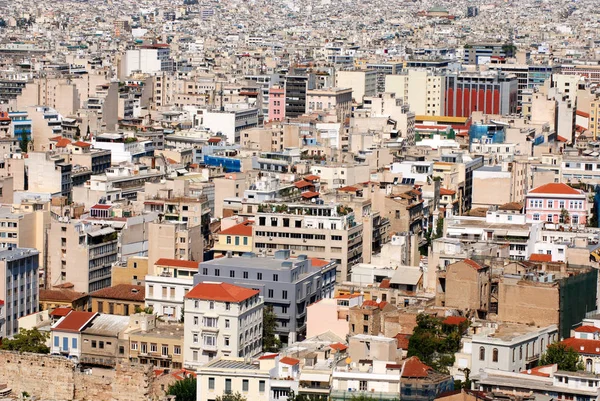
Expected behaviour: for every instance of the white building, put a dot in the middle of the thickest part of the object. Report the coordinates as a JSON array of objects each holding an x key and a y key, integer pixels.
[
  {"x": 221, "y": 319},
  {"x": 231, "y": 375},
  {"x": 66, "y": 334}
]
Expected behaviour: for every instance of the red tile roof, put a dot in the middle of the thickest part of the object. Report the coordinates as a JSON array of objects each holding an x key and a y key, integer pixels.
[
  {"x": 537, "y": 371},
  {"x": 402, "y": 340},
  {"x": 540, "y": 257},
  {"x": 319, "y": 262},
  {"x": 561, "y": 138},
  {"x": 101, "y": 207},
  {"x": 214, "y": 140},
  {"x": 312, "y": 177},
  {"x": 385, "y": 283},
  {"x": 375, "y": 304},
  {"x": 303, "y": 184},
  {"x": 583, "y": 114},
  {"x": 223, "y": 292},
  {"x": 190, "y": 264},
  {"x": 555, "y": 188},
  {"x": 588, "y": 347},
  {"x": 126, "y": 292},
  {"x": 310, "y": 194},
  {"x": 243, "y": 229},
  {"x": 82, "y": 144},
  {"x": 587, "y": 329},
  {"x": 289, "y": 361},
  {"x": 63, "y": 142},
  {"x": 349, "y": 188},
  {"x": 60, "y": 295},
  {"x": 473, "y": 264},
  {"x": 75, "y": 321},
  {"x": 60, "y": 312},
  {"x": 413, "y": 367},
  {"x": 338, "y": 347},
  {"x": 454, "y": 320},
  {"x": 268, "y": 356},
  {"x": 444, "y": 191}
]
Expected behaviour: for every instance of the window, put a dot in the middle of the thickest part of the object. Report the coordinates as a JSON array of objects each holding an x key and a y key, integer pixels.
[
  {"x": 232, "y": 273},
  {"x": 365, "y": 329},
  {"x": 481, "y": 354},
  {"x": 177, "y": 349},
  {"x": 245, "y": 384},
  {"x": 211, "y": 383},
  {"x": 134, "y": 345},
  {"x": 227, "y": 386},
  {"x": 209, "y": 321},
  {"x": 536, "y": 217},
  {"x": 196, "y": 304},
  {"x": 205, "y": 271},
  {"x": 362, "y": 385},
  {"x": 211, "y": 305},
  {"x": 56, "y": 341},
  {"x": 153, "y": 347},
  {"x": 227, "y": 323},
  {"x": 366, "y": 318},
  {"x": 495, "y": 355},
  {"x": 74, "y": 343},
  {"x": 94, "y": 344},
  {"x": 270, "y": 294},
  {"x": 217, "y": 272},
  {"x": 195, "y": 338},
  {"x": 245, "y": 274},
  {"x": 226, "y": 341},
  {"x": 228, "y": 240},
  {"x": 195, "y": 320},
  {"x": 561, "y": 204},
  {"x": 164, "y": 350},
  {"x": 210, "y": 340},
  {"x": 259, "y": 276},
  {"x": 550, "y": 204},
  {"x": 227, "y": 305},
  {"x": 275, "y": 277},
  {"x": 575, "y": 219},
  {"x": 521, "y": 353},
  {"x": 284, "y": 294},
  {"x": 261, "y": 386}
]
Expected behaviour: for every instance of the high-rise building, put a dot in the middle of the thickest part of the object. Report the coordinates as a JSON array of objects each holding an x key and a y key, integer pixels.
[
  {"x": 19, "y": 288},
  {"x": 296, "y": 87},
  {"x": 422, "y": 89},
  {"x": 490, "y": 93}
]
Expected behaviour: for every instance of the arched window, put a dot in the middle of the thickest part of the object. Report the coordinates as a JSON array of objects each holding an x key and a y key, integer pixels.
[
  {"x": 481, "y": 354},
  {"x": 495, "y": 355},
  {"x": 588, "y": 365}
]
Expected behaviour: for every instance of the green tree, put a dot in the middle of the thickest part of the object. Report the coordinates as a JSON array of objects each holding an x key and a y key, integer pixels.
[
  {"x": 24, "y": 143},
  {"x": 77, "y": 133},
  {"x": 27, "y": 341},
  {"x": 433, "y": 343},
  {"x": 184, "y": 390},
  {"x": 231, "y": 397},
  {"x": 439, "y": 227},
  {"x": 564, "y": 216},
  {"x": 565, "y": 357},
  {"x": 270, "y": 341}
]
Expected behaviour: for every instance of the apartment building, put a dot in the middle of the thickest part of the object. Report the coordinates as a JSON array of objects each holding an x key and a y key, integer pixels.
[
  {"x": 338, "y": 100},
  {"x": 49, "y": 173},
  {"x": 287, "y": 284},
  {"x": 276, "y": 104},
  {"x": 557, "y": 203},
  {"x": 103, "y": 341},
  {"x": 236, "y": 239},
  {"x": 154, "y": 343},
  {"x": 424, "y": 90},
  {"x": 362, "y": 82},
  {"x": 174, "y": 240},
  {"x": 81, "y": 253},
  {"x": 221, "y": 319},
  {"x": 66, "y": 333},
  {"x": 19, "y": 287},
  {"x": 167, "y": 287},
  {"x": 322, "y": 231},
  {"x": 233, "y": 375}
]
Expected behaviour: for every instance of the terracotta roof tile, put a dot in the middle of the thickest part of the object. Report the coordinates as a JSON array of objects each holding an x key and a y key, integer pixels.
[
  {"x": 318, "y": 262},
  {"x": 555, "y": 188},
  {"x": 338, "y": 346},
  {"x": 310, "y": 194},
  {"x": 454, "y": 320},
  {"x": 223, "y": 292},
  {"x": 302, "y": 184},
  {"x": 402, "y": 340},
  {"x": 289, "y": 361},
  {"x": 473, "y": 264},
  {"x": 82, "y": 144},
  {"x": 126, "y": 292},
  {"x": 60, "y": 312},
  {"x": 60, "y": 295},
  {"x": 74, "y": 321},
  {"x": 540, "y": 257},
  {"x": 268, "y": 356},
  {"x": 587, "y": 329},
  {"x": 581, "y": 346},
  {"x": 444, "y": 191},
  {"x": 176, "y": 263},
  {"x": 243, "y": 229},
  {"x": 413, "y": 367}
]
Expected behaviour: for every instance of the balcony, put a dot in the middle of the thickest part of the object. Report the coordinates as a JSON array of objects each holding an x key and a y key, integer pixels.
[
  {"x": 210, "y": 329},
  {"x": 209, "y": 347},
  {"x": 346, "y": 395}
]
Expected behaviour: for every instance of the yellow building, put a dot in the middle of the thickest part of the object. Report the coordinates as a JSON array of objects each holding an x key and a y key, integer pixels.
[
  {"x": 155, "y": 343},
  {"x": 132, "y": 272},
  {"x": 237, "y": 239}
]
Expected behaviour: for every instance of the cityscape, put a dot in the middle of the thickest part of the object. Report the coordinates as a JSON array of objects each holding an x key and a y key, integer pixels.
[{"x": 317, "y": 200}]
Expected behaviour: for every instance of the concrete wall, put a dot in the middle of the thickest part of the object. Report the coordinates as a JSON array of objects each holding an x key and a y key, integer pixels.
[
  {"x": 55, "y": 378},
  {"x": 524, "y": 302}
]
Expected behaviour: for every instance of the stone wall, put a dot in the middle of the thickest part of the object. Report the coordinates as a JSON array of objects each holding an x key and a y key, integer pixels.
[{"x": 52, "y": 378}]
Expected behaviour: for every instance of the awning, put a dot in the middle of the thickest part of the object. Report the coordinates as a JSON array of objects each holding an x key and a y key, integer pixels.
[{"x": 314, "y": 377}]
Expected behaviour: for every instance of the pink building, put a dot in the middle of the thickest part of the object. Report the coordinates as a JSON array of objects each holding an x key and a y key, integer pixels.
[
  {"x": 548, "y": 202},
  {"x": 331, "y": 314},
  {"x": 276, "y": 103}
]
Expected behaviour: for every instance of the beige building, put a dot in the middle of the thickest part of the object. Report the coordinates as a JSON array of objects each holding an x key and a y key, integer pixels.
[
  {"x": 362, "y": 82},
  {"x": 234, "y": 375},
  {"x": 155, "y": 343},
  {"x": 104, "y": 341},
  {"x": 232, "y": 185},
  {"x": 466, "y": 285},
  {"x": 236, "y": 239},
  {"x": 121, "y": 299},
  {"x": 422, "y": 89},
  {"x": 59, "y": 93},
  {"x": 132, "y": 271},
  {"x": 173, "y": 240},
  {"x": 335, "y": 176},
  {"x": 498, "y": 185},
  {"x": 338, "y": 100},
  {"x": 275, "y": 137}
]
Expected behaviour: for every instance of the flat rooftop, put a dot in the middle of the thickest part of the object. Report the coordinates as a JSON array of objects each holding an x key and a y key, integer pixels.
[{"x": 231, "y": 364}]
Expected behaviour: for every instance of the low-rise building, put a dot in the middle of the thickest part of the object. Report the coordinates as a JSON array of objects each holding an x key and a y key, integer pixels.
[
  {"x": 122, "y": 299},
  {"x": 233, "y": 375},
  {"x": 66, "y": 334},
  {"x": 155, "y": 343}
]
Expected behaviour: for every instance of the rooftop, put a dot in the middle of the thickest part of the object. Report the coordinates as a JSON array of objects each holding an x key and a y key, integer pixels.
[
  {"x": 222, "y": 292},
  {"x": 126, "y": 292}
]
